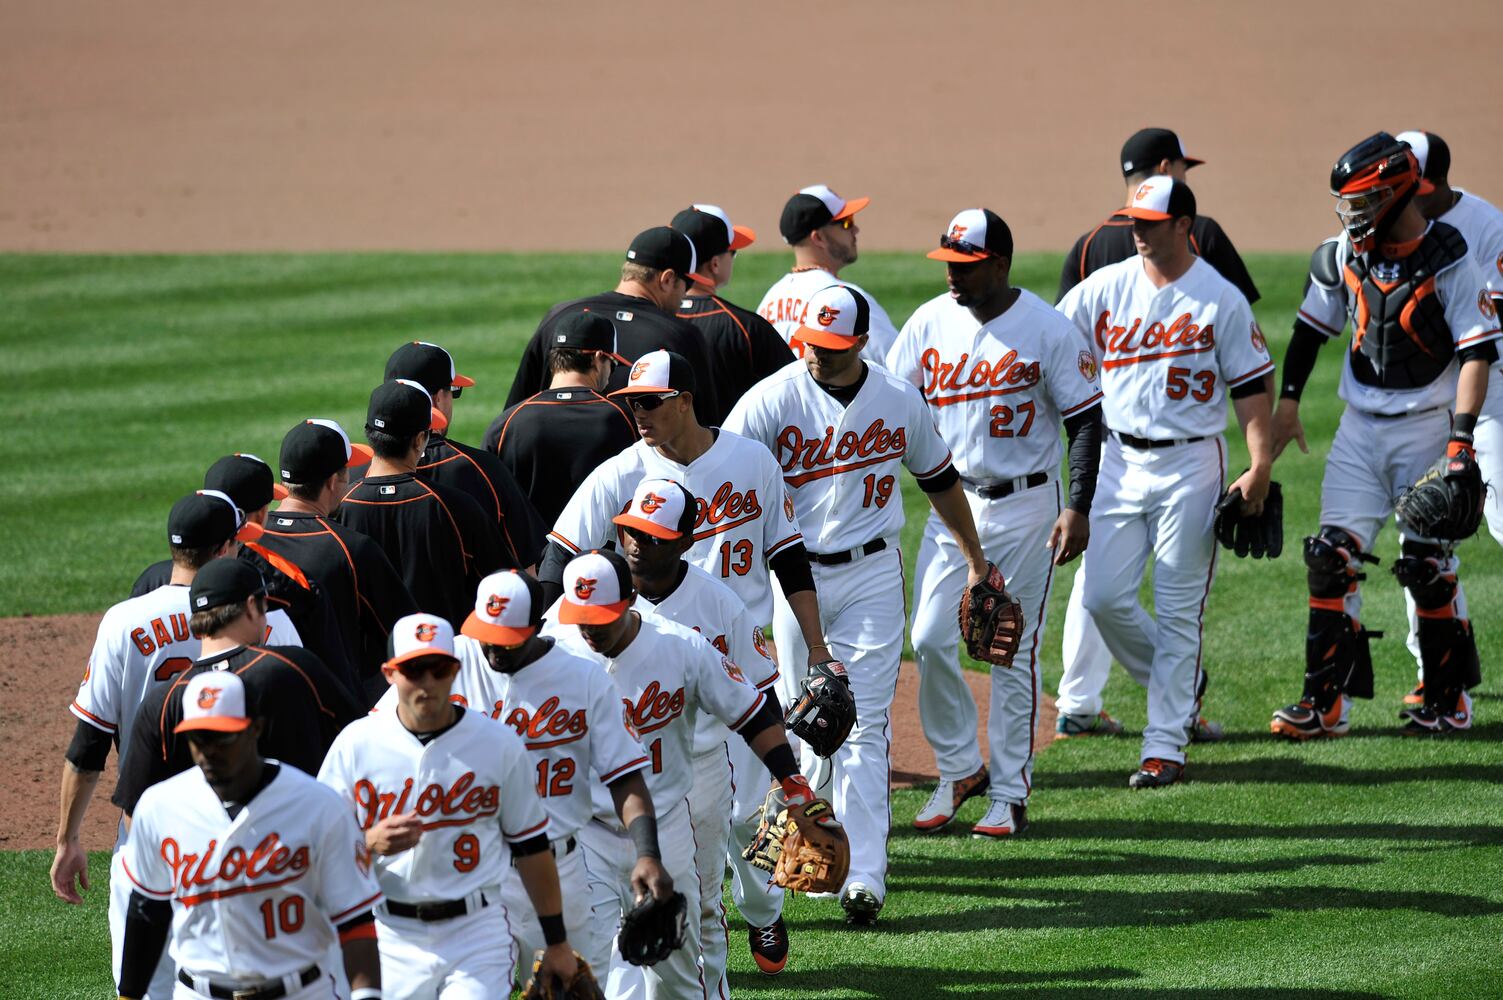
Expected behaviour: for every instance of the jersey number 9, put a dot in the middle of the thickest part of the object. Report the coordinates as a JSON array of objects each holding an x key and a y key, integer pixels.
[{"x": 466, "y": 852}]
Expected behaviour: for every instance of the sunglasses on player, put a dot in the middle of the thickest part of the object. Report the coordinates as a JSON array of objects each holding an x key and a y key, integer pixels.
[
  {"x": 963, "y": 246},
  {"x": 441, "y": 667},
  {"x": 456, "y": 390},
  {"x": 647, "y": 402},
  {"x": 643, "y": 538}
]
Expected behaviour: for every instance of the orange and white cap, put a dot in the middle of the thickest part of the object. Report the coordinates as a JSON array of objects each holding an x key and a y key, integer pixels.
[
  {"x": 1158, "y": 198},
  {"x": 975, "y": 234},
  {"x": 660, "y": 372},
  {"x": 597, "y": 588},
  {"x": 418, "y": 635},
  {"x": 214, "y": 701},
  {"x": 813, "y": 207},
  {"x": 660, "y": 507},
  {"x": 508, "y": 609},
  {"x": 835, "y": 318}
]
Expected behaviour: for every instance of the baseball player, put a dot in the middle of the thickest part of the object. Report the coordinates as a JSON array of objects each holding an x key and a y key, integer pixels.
[
  {"x": 254, "y": 867},
  {"x": 658, "y": 272},
  {"x": 479, "y": 473},
  {"x": 730, "y": 782},
  {"x": 1001, "y": 371},
  {"x": 141, "y": 642},
  {"x": 821, "y": 227},
  {"x": 667, "y": 675},
  {"x": 1423, "y": 339},
  {"x": 568, "y": 713},
  {"x": 438, "y": 537},
  {"x": 445, "y": 797},
  {"x": 365, "y": 590},
  {"x": 841, "y": 429},
  {"x": 744, "y": 348},
  {"x": 1172, "y": 339},
  {"x": 553, "y": 440},
  {"x": 1148, "y": 152}
]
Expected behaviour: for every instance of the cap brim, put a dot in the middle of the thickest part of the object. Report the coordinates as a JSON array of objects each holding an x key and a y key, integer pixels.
[
  {"x": 1425, "y": 187},
  {"x": 1146, "y": 214},
  {"x": 497, "y": 635},
  {"x": 955, "y": 256},
  {"x": 418, "y": 654},
  {"x": 1191, "y": 161},
  {"x": 463, "y": 381},
  {"x": 639, "y": 390},
  {"x": 249, "y": 532},
  {"x": 439, "y": 422},
  {"x": 213, "y": 723},
  {"x": 280, "y": 492},
  {"x": 851, "y": 208},
  {"x": 823, "y": 338},
  {"x": 570, "y": 613},
  {"x": 651, "y": 527},
  {"x": 360, "y": 454},
  {"x": 702, "y": 281},
  {"x": 745, "y": 237}
]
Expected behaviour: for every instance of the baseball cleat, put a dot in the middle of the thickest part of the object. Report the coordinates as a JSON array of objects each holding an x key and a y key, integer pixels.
[
  {"x": 1417, "y": 696},
  {"x": 1099, "y": 724},
  {"x": 1423, "y": 721},
  {"x": 1155, "y": 772},
  {"x": 769, "y": 946},
  {"x": 861, "y": 905},
  {"x": 1002, "y": 819},
  {"x": 1301, "y": 721},
  {"x": 1206, "y": 731},
  {"x": 1461, "y": 719},
  {"x": 947, "y": 799}
]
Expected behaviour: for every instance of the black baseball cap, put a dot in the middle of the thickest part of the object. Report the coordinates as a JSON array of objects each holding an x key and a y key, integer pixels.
[
  {"x": 1434, "y": 156},
  {"x": 659, "y": 372},
  {"x": 813, "y": 207},
  {"x": 1148, "y": 146},
  {"x": 402, "y": 408},
  {"x": 316, "y": 449},
  {"x": 429, "y": 365},
  {"x": 666, "y": 249},
  {"x": 224, "y": 581},
  {"x": 1160, "y": 197},
  {"x": 247, "y": 480},
  {"x": 711, "y": 230},
  {"x": 208, "y": 517},
  {"x": 586, "y": 331}
]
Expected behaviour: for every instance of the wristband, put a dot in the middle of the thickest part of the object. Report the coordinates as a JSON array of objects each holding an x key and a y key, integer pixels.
[
  {"x": 1462, "y": 425},
  {"x": 366, "y": 993},
  {"x": 644, "y": 834},
  {"x": 780, "y": 762},
  {"x": 553, "y": 929}
]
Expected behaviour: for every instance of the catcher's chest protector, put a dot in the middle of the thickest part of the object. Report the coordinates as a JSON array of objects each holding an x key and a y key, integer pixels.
[{"x": 1400, "y": 338}]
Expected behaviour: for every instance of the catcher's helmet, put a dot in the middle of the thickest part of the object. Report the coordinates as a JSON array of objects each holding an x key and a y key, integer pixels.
[{"x": 1372, "y": 182}]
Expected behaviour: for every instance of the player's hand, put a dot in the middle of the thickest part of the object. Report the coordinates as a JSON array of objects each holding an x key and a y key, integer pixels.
[
  {"x": 1254, "y": 486},
  {"x": 558, "y": 962},
  {"x": 1286, "y": 427},
  {"x": 70, "y": 862},
  {"x": 394, "y": 834},
  {"x": 649, "y": 876},
  {"x": 1069, "y": 536}
]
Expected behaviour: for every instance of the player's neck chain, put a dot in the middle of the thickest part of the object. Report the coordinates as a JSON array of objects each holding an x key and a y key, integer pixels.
[{"x": 806, "y": 267}]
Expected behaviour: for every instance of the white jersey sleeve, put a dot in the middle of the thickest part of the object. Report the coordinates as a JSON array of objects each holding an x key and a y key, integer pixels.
[
  {"x": 1324, "y": 308},
  {"x": 927, "y": 453},
  {"x": 280, "y": 631},
  {"x": 614, "y": 751},
  {"x": 882, "y": 333},
  {"x": 98, "y": 698},
  {"x": 144, "y": 865},
  {"x": 522, "y": 814},
  {"x": 346, "y": 879},
  {"x": 1463, "y": 291},
  {"x": 722, "y": 689},
  {"x": 585, "y": 522},
  {"x": 1241, "y": 351}
]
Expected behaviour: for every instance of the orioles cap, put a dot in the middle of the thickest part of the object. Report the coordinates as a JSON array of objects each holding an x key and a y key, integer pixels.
[
  {"x": 508, "y": 609},
  {"x": 1159, "y": 198},
  {"x": 403, "y": 408},
  {"x": 1434, "y": 156},
  {"x": 597, "y": 588},
  {"x": 429, "y": 365},
  {"x": 215, "y": 701},
  {"x": 208, "y": 517},
  {"x": 419, "y": 635},
  {"x": 666, "y": 249},
  {"x": 1148, "y": 147},
  {"x": 812, "y": 208},
  {"x": 975, "y": 234},
  {"x": 224, "y": 581},
  {"x": 658, "y": 371},
  {"x": 316, "y": 449},
  {"x": 586, "y": 331},
  {"x": 662, "y": 508},
  {"x": 247, "y": 479},
  {"x": 711, "y": 230},
  {"x": 835, "y": 318}
]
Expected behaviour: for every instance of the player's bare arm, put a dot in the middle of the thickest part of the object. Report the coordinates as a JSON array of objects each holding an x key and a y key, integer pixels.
[
  {"x": 362, "y": 956},
  {"x": 71, "y": 862},
  {"x": 540, "y": 878},
  {"x": 634, "y": 806},
  {"x": 1471, "y": 387},
  {"x": 951, "y": 506},
  {"x": 1257, "y": 428}
]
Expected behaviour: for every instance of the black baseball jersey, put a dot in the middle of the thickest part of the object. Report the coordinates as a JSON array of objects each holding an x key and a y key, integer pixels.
[
  {"x": 744, "y": 348},
  {"x": 1111, "y": 242},
  {"x": 641, "y": 328},
  {"x": 301, "y": 703},
  {"x": 485, "y": 477},
  {"x": 439, "y": 539},
  {"x": 365, "y": 590},
  {"x": 553, "y": 440}
]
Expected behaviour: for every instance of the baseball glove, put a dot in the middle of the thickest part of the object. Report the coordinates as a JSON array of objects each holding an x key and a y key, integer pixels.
[
  {"x": 653, "y": 930},
  {"x": 1446, "y": 502},
  {"x": 1256, "y": 535},
  {"x": 803, "y": 846},
  {"x": 584, "y": 985},
  {"x": 825, "y": 711},
  {"x": 991, "y": 620}
]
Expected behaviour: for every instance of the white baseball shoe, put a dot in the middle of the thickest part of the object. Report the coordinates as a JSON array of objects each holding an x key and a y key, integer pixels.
[
  {"x": 1003, "y": 819},
  {"x": 861, "y": 904},
  {"x": 947, "y": 799}
]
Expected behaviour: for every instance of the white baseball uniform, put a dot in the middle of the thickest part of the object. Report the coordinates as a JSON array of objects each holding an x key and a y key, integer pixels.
[
  {"x": 473, "y": 786},
  {"x": 999, "y": 393},
  {"x": 667, "y": 677},
  {"x": 1168, "y": 357},
  {"x": 256, "y": 897},
  {"x": 745, "y": 517},
  {"x": 783, "y": 307},
  {"x": 841, "y": 466},
  {"x": 568, "y": 714},
  {"x": 729, "y": 780},
  {"x": 140, "y": 642}
]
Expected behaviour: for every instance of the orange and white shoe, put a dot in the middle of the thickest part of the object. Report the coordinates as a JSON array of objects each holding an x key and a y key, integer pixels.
[
  {"x": 1302, "y": 721},
  {"x": 947, "y": 799},
  {"x": 1417, "y": 696},
  {"x": 1002, "y": 819}
]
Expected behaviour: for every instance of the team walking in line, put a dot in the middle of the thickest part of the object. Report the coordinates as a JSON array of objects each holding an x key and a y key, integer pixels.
[{"x": 453, "y": 720}]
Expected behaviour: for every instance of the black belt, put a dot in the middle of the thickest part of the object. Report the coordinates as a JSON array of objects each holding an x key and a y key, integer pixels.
[
  {"x": 446, "y": 909},
  {"x": 996, "y": 491},
  {"x": 271, "y": 991},
  {"x": 1406, "y": 413},
  {"x": 568, "y": 849},
  {"x": 837, "y": 558},
  {"x": 1133, "y": 441}
]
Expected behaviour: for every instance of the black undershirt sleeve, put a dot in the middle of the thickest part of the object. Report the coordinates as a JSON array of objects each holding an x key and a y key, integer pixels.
[
  {"x": 1084, "y": 432},
  {"x": 1299, "y": 360},
  {"x": 1479, "y": 352},
  {"x": 364, "y": 917},
  {"x": 90, "y": 747},
  {"x": 791, "y": 564},
  {"x": 532, "y": 845},
  {"x": 940, "y": 481},
  {"x": 768, "y": 714},
  {"x": 1252, "y": 387},
  {"x": 147, "y": 924},
  {"x": 551, "y": 571}
]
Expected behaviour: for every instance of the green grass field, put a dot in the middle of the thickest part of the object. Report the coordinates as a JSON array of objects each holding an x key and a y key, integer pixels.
[{"x": 1366, "y": 867}]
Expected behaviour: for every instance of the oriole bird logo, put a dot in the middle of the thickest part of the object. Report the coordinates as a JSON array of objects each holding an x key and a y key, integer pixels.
[
  {"x": 426, "y": 632},
  {"x": 495, "y": 604},
  {"x": 208, "y": 697},
  {"x": 826, "y": 315},
  {"x": 651, "y": 502},
  {"x": 584, "y": 587},
  {"x": 956, "y": 232},
  {"x": 638, "y": 370}
]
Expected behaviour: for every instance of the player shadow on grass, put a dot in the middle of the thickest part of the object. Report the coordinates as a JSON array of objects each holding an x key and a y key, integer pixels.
[
  {"x": 1281, "y": 771},
  {"x": 1090, "y": 863}
]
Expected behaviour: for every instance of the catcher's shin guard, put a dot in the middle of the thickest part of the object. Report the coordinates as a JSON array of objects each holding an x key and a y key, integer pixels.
[
  {"x": 1448, "y": 650},
  {"x": 1336, "y": 656}
]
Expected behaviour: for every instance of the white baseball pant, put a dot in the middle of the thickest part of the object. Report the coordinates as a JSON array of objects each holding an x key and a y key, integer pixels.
[
  {"x": 463, "y": 958},
  {"x": 574, "y": 885},
  {"x": 1087, "y": 661},
  {"x": 164, "y": 980},
  {"x": 862, "y": 609},
  {"x": 1159, "y": 502},
  {"x": 1014, "y": 531},
  {"x": 710, "y": 805},
  {"x": 759, "y": 901}
]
